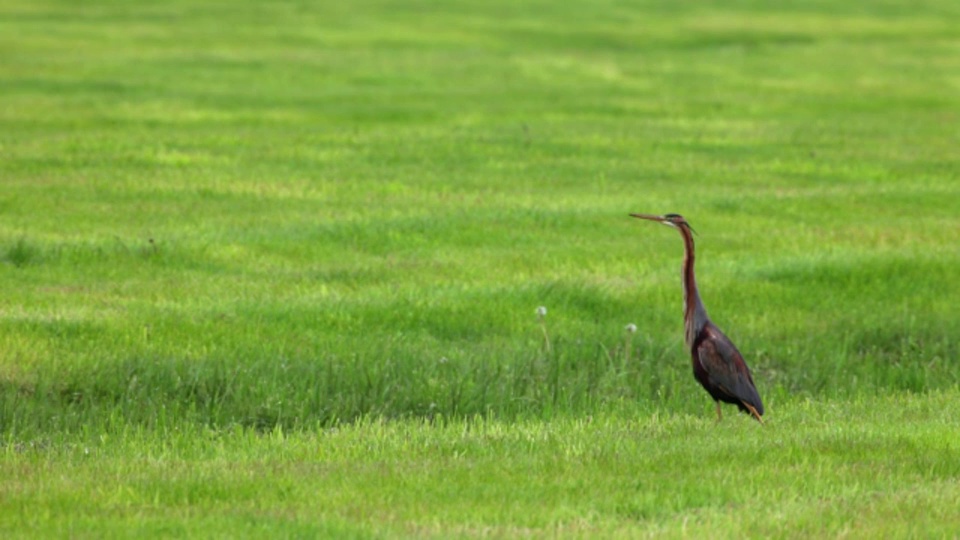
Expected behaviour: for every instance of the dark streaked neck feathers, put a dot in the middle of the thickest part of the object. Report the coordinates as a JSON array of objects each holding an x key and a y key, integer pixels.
[{"x": 694, "y": 314}]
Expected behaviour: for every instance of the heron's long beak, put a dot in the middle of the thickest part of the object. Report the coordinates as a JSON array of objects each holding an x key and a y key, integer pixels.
[{"x": 651, "y": 217}]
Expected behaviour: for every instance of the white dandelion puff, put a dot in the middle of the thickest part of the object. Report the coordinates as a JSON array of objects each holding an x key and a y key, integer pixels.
[{"x": 542, "y": 317}]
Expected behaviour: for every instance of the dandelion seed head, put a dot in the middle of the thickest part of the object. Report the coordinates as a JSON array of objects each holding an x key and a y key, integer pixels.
[
  {"x": 541, "y": 311},
  {"x": 632, "y": 328}
]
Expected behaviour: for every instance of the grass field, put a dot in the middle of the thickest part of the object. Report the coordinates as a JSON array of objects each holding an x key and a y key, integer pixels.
[{"x": 271, "y": 268}]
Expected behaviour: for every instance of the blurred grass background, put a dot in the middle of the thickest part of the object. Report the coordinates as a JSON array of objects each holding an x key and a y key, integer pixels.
[{"x": 295, "y": 214}]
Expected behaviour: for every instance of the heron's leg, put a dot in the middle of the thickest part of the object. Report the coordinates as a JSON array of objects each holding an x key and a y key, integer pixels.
[
  {"x": 754, "y": 412},
  {"x": 719, "y": 414}
]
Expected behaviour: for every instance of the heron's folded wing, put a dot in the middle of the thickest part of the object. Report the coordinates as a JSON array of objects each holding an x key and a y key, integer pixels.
[{"x": 726, "y": 369}]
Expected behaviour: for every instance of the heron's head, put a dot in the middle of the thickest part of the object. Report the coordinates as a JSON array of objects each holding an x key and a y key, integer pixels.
[{"x": 673, "y": 220}]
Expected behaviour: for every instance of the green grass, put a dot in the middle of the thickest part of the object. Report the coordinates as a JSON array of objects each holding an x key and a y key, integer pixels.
[
  {"x": 258, "y": 259},
  {"x": 874, "y": 467}
]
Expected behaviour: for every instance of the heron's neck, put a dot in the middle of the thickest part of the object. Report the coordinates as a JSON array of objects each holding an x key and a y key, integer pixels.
[{"x": 694, "y": 314}]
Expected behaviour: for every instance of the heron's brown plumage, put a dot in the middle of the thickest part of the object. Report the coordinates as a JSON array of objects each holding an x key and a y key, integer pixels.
[{"x": 717, "y": 364}]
